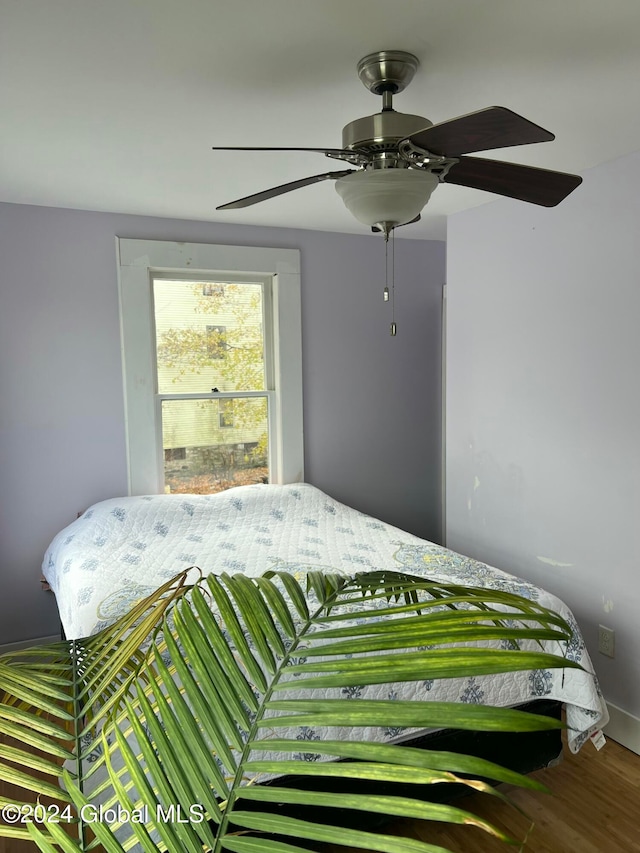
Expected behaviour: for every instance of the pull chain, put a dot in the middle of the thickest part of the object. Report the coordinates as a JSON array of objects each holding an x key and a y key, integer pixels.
[
  {"x": 393, "y": 283},
  {"x": 385, "y": 292}
]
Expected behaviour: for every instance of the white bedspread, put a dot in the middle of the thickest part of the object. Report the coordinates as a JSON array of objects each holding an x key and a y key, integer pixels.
[{"x": 120, "y": 550}]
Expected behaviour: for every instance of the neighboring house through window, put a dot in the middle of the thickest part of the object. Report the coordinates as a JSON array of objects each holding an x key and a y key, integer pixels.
[{"x": 212, "y": 365}]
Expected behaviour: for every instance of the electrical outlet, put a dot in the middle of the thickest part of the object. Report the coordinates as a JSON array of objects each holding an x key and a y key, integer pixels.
[{"x": 606, "y": 641}]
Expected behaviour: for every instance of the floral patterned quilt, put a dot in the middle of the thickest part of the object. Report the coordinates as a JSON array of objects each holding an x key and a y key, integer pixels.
[{"x": 120, "y": 550}]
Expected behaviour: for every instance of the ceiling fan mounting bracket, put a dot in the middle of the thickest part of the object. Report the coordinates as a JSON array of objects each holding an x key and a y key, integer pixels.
[{"x": 387, "y": 71}]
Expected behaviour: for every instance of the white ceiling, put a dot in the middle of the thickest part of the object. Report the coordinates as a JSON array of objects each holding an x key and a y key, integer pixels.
[{"x": 115, "y": 104}]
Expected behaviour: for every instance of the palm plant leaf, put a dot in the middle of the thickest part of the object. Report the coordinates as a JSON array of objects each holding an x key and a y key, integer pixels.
[{"x": 177, "y": 712}]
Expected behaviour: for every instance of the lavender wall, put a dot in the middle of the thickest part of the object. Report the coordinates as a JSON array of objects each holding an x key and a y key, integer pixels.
[
  {"x": 372, "y": 402},
  {"x": 543, "y": 410}
]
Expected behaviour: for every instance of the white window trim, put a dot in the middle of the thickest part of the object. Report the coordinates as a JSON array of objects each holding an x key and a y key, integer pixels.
[{"x": 137, "y": 261}]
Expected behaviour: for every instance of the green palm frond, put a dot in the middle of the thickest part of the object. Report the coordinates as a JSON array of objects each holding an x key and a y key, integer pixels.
[{"x": 179, "y": 711}]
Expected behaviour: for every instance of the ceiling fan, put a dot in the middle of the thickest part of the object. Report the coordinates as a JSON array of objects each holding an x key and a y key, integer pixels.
[{"x": 400, "y": 158}]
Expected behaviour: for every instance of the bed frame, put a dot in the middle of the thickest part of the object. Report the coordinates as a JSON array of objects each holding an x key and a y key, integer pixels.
[{"x": 523, "y": 752}]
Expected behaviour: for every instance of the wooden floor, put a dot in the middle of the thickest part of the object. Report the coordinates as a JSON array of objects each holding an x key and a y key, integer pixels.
[
  {"x": 594, "y": 808},
  {"x": 12, "y": 845}
]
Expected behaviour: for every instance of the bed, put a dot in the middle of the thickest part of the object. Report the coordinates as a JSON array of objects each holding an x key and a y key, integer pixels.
[{"x": 120, "y": 550}]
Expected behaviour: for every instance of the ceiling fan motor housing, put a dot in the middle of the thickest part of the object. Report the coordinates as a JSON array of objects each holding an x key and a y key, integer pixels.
[{"x": 382, "y": 131}]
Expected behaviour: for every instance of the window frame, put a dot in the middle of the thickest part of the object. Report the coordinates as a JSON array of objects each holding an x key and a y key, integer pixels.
[{"x": 138, "y": 262}]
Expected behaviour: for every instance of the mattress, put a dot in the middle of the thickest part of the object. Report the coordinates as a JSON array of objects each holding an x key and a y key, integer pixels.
[{"x": 122, "y": 549}]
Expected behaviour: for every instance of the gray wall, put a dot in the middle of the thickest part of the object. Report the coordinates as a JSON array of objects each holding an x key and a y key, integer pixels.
[
  {"x": 372, "y": 403},
  {"x": 543, "y": 409}
]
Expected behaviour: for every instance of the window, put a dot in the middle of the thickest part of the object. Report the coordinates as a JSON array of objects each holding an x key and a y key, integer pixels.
[
  {"x": 212, "y": 365},
  {"x": 173, "y": 454},
  {"x": 216, "y": 342},
  {"x": 196, "y": 359},
  {"x": 225, "y": 415},
  {"x": 210, "y": 288}
]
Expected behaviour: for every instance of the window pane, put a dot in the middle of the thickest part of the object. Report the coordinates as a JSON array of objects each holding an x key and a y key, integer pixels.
[
  {"x": 211, "y": 445},
  {"x": 208, "y": 335}
]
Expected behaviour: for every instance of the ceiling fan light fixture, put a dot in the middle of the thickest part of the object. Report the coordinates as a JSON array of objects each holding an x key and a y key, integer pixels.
[{"x": 390, "y": 196}]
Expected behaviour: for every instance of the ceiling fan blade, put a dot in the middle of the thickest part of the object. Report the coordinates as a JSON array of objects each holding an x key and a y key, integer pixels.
[
  {"x": 493, "y": 127},
  {"x": 336, "y": 152},
  {"x": 526, "y": 183},
  {"x": 283, "y": 188}
]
